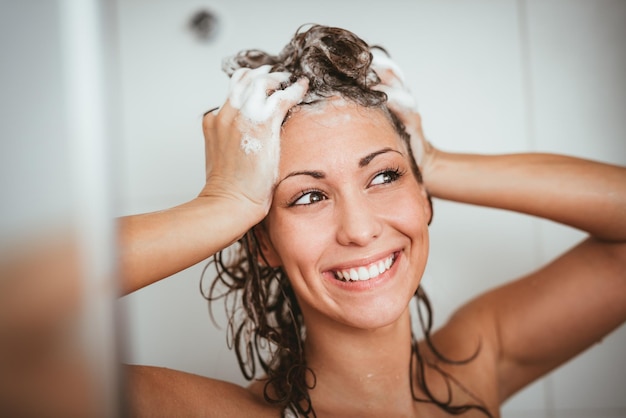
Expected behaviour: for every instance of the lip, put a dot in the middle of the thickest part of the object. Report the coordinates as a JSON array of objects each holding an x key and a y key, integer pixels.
[{"x": 364, "y": 284}]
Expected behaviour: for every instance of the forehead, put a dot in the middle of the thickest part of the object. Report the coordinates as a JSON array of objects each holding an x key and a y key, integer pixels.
[{"x": 333, "y": 128}]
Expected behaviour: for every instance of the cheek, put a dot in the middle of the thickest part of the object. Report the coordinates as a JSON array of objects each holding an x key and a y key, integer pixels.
[
  {"x": 407, "y": 208},
  {"x": 297, "y": 242}
]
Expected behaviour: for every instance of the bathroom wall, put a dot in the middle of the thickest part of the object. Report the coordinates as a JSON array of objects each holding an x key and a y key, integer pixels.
[{"x": 490, "y": 77}]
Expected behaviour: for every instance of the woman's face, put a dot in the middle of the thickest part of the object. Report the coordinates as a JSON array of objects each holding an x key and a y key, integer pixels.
[{"x": 348, "y": 221}]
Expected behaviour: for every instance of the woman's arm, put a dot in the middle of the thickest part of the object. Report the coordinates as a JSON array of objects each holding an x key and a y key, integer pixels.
[
  {"x": 587, "y": 195},
  {"x": 242, "y": 145},
  {"x": 159, "y": 392},
  {"x": 536, "y": 323},
  {"x": 156, "y": 245},
  {"x": 539, "y": 321}
]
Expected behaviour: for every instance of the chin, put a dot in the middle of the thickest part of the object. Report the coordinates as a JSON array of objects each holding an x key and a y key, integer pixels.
[{"x": 377, "y": 315}]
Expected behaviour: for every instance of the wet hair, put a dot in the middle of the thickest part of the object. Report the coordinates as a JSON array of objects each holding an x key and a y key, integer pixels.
[{"x": 265, "y": 323}]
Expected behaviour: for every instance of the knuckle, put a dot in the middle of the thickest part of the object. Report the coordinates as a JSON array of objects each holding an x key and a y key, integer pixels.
[
  {"x": 239, "y": 74},
  {"x": 208, "y": 121}
]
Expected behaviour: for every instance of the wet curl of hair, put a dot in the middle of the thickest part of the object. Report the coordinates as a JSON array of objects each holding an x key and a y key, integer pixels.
[
  {"x": 265, "y": 324},
  {"x": 336, "y": 62}
]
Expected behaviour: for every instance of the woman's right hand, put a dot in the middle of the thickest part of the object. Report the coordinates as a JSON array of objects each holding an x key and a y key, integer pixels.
[
  {"x": 242, "y": 143},
  {"x": 242, "y": 138}
]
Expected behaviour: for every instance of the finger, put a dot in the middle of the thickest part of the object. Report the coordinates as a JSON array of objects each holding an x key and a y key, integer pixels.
[
  {"x": 260, "y": 108},
  {"x": 215, "y": 110},
  {"x": 240, "y": 82},
  {"x": 276, "y": 79},
  {"x": 246, "y": 73},
  {"x": 286, "y": 99},
  {"x": 272, "y": 112},
  {"x": 389, "y": 78},
  {"x": 399, "y": 100},
  {"x": 251, "y": 88},
  {"x": 264, "y": 86},
  {"x": 237, "y": 87},
  {"x": 238, "y": 75},
  {"x": 388, "y": 71},
  {"x": 290, "y": 96},
  {"x": 208, "y": 119}
]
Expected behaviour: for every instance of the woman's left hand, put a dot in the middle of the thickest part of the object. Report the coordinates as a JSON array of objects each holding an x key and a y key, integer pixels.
[{"x": 403, "y": 104}]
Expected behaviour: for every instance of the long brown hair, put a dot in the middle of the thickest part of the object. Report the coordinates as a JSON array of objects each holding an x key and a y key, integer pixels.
[{"x": 266, "y": 327}]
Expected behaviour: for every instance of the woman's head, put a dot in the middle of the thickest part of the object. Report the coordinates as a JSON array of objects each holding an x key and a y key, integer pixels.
[
  {"x": 348, "y": 203},
  {"x": 348, "y": 221}
]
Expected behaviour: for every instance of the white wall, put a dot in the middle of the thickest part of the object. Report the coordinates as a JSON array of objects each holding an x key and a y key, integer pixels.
[{"x": 489, "y": 76}]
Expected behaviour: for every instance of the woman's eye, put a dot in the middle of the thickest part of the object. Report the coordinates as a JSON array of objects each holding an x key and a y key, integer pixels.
[
  {"x": 388, "y": 176},
  {"x": 308, "y": 198}
]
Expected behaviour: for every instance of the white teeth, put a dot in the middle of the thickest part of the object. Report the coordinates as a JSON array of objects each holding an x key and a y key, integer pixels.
[
  {"x": 373, "y": 270},
  {"x": 366, "y": 272}
]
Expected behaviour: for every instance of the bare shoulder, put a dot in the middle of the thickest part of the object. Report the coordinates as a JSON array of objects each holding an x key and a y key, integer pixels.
[
  {"x": 529, "y": 326},
  {"x": 462, "y": 360},
  {"x": 156, "y": 391}
]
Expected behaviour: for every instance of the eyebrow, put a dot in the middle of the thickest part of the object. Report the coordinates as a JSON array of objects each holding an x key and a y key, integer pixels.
[
  {"x": 362, "y": 163},
  {"x": 312, "y": 173},
  {"x": 369, "y": 157}
]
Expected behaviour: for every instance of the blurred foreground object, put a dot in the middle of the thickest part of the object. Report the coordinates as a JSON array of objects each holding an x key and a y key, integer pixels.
[{"x": 57, "y": 275}]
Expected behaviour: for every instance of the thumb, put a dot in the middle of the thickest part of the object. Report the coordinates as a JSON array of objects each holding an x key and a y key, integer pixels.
[{"x": 285, "y": 99}]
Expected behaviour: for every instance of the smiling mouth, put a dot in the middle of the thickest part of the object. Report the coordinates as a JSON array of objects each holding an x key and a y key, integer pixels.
[{"x": 367, "y": 272}]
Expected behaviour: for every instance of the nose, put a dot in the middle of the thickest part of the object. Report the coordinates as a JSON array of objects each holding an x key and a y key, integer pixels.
[{"x": 358, "y": 222}]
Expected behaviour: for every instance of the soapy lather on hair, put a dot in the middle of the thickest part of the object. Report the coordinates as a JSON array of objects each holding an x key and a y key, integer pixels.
[{"x": 257, "y": 95}]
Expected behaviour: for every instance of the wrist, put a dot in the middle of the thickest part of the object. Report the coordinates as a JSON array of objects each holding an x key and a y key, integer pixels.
[
  {"x": 436, "y": 165},
  {"x": 248, "y": 194},
  {"x": 244, "y": 211}
]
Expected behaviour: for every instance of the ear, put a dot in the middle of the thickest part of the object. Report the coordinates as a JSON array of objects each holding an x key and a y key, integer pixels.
[{"x": 266, "y": 247}]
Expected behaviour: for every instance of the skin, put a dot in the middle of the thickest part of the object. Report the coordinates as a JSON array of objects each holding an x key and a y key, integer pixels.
[
  {"x": 236, "y": 196},
  {"x": 351, "y": 225},
  {"x": 358, "y": 335},
  {"x": 346, "y": 222}
]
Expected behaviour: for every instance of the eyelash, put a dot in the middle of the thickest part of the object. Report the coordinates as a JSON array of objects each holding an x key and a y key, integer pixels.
[
  {"x": 393, "y": 173},
  {"x": 303, "y": 193}
]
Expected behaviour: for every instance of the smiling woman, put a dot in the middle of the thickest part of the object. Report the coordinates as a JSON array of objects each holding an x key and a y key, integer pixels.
[
  {"x": 330, "y": 228},
  {"x": 329, "y": 216}
]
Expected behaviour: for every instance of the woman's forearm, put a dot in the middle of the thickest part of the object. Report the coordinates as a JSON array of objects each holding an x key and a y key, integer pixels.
[
  {"x": 156, "y": 245},
  {"x": 587, "y": 195},
  {"x": 239, "y": 183}
]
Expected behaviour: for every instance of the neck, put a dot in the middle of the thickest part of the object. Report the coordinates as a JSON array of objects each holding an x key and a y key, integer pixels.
[{"x": 352, "y": 365}]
